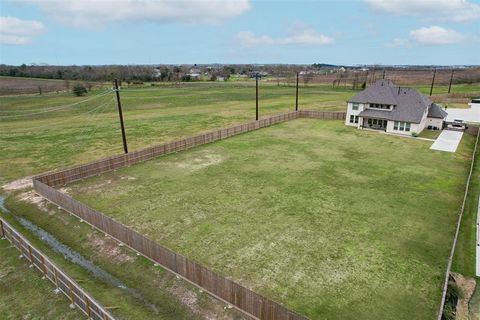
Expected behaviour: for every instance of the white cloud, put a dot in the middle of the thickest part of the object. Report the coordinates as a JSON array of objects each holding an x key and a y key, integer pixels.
[
  {"x": 18, "y": 32},
  {"x": 297, "y": 37},
  {"x": 441, "y": 10},
  {"x": 436, "y": 35},
  {"x": 93, "y": 13},
  {"x": 432, "y": 36}
]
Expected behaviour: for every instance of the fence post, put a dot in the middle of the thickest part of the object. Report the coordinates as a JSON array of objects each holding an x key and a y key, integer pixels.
[
  {"x": 1, "y": 228},
  {"x": 55, "y": 276},
  {"x": 87, "y": 304},
  {"x": 71, "y": 292},
  {"x": 43, "y": 265},
  {"x": 30, "y": 254}
]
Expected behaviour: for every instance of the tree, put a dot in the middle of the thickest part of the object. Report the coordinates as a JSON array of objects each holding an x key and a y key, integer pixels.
[{"x": 79, "y": 90}]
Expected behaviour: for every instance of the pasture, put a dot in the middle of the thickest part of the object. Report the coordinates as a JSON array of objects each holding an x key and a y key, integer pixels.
[
  {"x": 50, "y": 131},
  {"x": 330, "y": 221},
  {"x": 39, "y": 136}
]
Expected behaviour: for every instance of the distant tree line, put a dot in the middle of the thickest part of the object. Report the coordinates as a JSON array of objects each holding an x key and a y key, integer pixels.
[{"x": 356, "y": 77}]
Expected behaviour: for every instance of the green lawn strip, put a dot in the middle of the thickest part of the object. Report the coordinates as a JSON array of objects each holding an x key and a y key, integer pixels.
[
  {"x": 430, "y": 134},
  {"x": 315, "y": 215},
  {"x": 24, "y": 295},
  {"x": 156, "y": 286},
  {"x": 465, "y": 253}
]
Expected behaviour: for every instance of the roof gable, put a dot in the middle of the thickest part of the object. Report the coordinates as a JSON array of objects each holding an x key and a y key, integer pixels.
[{"x": 435, "y": 111}]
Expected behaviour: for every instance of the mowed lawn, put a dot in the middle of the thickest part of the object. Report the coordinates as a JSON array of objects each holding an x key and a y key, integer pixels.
[{"x": 333, "y": 222}]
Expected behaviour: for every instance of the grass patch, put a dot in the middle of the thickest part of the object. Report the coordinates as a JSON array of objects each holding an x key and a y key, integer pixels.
[
  {"x": 331, "y": 221},
  {"x": 430, "y": 134},
  {"x": 464, "y": 259}
]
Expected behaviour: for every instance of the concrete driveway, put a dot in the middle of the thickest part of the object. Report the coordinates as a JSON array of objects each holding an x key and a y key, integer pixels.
[
  {"x": 447, "y": 141},
  {"x": 469, "y": 115}
]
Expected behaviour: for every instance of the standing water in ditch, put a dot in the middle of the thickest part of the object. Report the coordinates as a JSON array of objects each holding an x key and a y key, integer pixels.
[{"x": 73, "y": 256}]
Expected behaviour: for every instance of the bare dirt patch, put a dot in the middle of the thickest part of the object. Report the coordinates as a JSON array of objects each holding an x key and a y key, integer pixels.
[
  {"x": 467, "y": 286},
  {"x": 200, "y": 161},
  {"x": 108, "y": 248},
  {"x": 216, "y": 311},
  {"x": 19, "y": 184},
  {"x": 21, "y": 86},
  {"x": 33, "y": 198}
]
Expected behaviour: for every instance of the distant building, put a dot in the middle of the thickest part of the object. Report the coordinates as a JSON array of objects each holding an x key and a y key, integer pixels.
[
  {"x": 384, "y": 106},
  {"x": 194, "y": 76}
]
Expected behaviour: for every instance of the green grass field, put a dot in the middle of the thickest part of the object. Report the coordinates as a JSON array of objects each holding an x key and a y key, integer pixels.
[
  {"x": 39, "y": 140},
  {"x": 40, "y": 133},
  {"x": 333, "y": 222}
]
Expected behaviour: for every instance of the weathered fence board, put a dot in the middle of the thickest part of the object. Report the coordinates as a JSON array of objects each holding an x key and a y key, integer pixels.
[
  {"x": 62, "y": 281},
  {"x": 242, "y": 298}
]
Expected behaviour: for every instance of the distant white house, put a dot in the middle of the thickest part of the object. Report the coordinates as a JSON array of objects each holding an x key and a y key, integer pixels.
[{"x": 384, "y": 106}]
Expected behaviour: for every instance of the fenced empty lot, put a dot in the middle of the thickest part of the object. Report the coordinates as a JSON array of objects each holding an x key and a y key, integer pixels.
[{"x": 315, "y": 215}]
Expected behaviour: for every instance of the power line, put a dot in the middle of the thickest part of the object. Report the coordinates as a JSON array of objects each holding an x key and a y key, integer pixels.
[
  {"x": 52, "y": 109},
  {"x": 62, "y": 121}
]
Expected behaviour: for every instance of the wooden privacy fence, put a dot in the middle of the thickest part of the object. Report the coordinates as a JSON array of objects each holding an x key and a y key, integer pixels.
[
  {"x": 62, "y": 281},
  {"x": 242, "y": 298}
]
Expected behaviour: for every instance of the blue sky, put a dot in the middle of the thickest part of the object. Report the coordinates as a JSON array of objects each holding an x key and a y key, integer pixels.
[{"x": 78, "y": 32}]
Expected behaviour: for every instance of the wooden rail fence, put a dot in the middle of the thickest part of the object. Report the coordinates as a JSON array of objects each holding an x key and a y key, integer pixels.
[
  {"x": 62, "y": 281},
  {"x": 244, "y": 299}
]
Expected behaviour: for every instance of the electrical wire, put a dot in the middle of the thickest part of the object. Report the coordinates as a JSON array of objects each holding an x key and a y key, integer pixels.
[
  {"x": 51, "y": 109},
  {"x": 60, "y": 122}
]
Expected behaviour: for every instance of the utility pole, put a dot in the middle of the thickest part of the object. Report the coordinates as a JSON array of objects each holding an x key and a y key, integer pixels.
[
  {"x": 451, "y": 79},
  {"x": 296, "y": 95},
  {"x": 383, "y": 77},
  {"x": 256, "y": 96},
  {"x": 117, "y": 90},
  {"x": 433, "y": 80}
]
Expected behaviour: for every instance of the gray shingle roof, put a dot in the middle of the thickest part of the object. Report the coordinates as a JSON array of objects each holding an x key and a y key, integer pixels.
[
  {"x": 436, "y": 111},
  {"x": 410, "y": 105}
]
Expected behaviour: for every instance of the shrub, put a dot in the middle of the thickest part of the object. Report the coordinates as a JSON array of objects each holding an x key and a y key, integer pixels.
[
  {"x": 414, "y": 134},
  {"x": 79, "y": 90}
]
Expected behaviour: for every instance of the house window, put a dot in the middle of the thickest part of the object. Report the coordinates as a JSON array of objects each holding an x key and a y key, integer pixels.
[
  {"x": 402, "y": 126},
  {"x": 352, "y": 118},
  {"x": 379, "y": 106},
  {"x": 354, "y": 106},
  {"x": 356, "y": 119}
]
